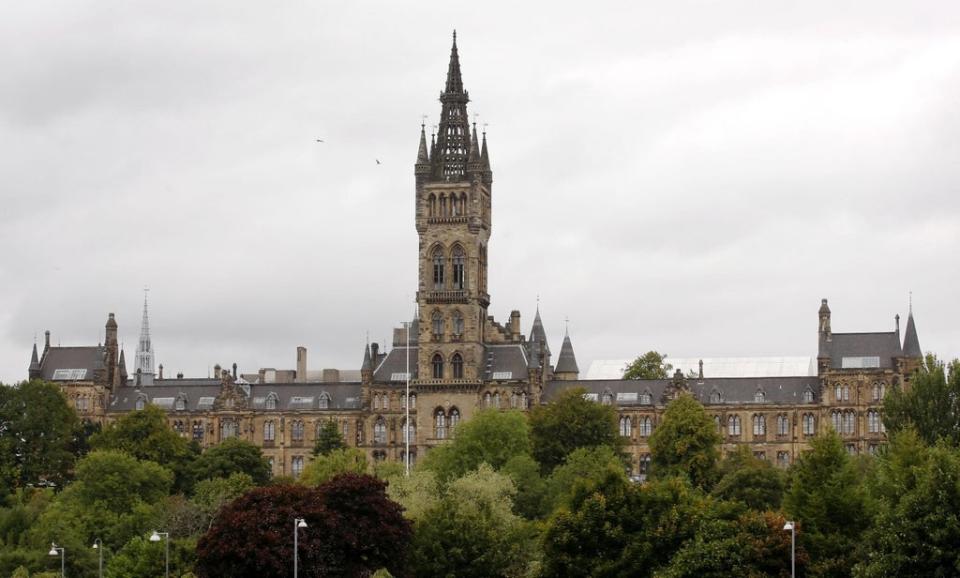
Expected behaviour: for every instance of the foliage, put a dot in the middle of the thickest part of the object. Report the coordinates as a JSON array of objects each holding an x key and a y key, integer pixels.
[
  {"x": 141, "y": 558},
  {"x": 324, "y": 468},
  {"x": 650, "y": 365},
  {"x": 750, "y": 481},
  {"x": 685, "y": 443},
  {"x": 531, "y": 500},
  {"x": 329, "y": 439},
  {"x": 472, "y": 531},
  {"x": 490, "y": 437},
  {"x": 568, "y": 423},
  {"x": 231, "y": 456},
  {"x": 931, "y": 404},
  {"x": 828, "y": 500},
  {"x": 593, "y": 466},
  {"x": 917, "y": 532},
  {"x": 352, "y": 529},
  {"x": 38, "y": 430},
  {"x": 145, "y": 435},
  {"x": 388, "y": 470},
  {"x": 209, "y": 496},
  {"x": 418, "y": 493}
]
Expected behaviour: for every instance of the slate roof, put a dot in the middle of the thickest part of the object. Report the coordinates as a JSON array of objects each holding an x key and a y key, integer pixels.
[
  {"x": 395, "y": 363},
  {"x": 885, "y": 345},
  {"x": 198, "y": 396},
  {"x": 567, "y": 361},
  {"x": 733, "y": 390},
  {"x": 537, "y": 333},
  {"x": 503, "y": 362},
  {"x": 84, "y": 358},
  {"x": 911, "y": 343}
]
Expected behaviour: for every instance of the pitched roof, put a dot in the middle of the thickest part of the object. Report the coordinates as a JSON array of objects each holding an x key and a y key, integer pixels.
[
  {"x": 717, "y": 366},
  {"x": 199, "y": 396},
  {"x": 505, "y": 362},
  {"x": 393, "y": 367},
  {"x": 884, "y": 345},
  {"x": 85, "y": 360},
  {"x": 911, "y": 343},
  {"x": 567, "y": 361},
  {"x": 537, "y": 333}
]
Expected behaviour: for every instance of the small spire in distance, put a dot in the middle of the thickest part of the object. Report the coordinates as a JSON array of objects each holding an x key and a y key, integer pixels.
[
  {"x": 422, "y": 155},
  {"x": 454, "y": 80},
  {"x": 484, "y": 158},
  {"x": 474, "y": 156}
]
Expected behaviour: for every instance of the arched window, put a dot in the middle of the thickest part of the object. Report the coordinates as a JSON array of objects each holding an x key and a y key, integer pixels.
[
  {"x": 523, "y": 400},
  {"x": 626, "y": 428},
  {"x": 437, "y": 319},
  {"x": 269, "y": 431},
  {"x": 849, "y": 422},
  {"x": 141, "y": 401},
  {"x": 296, "y": 466},
  {"x": 180, "y": 404},
  {"x": 733, "y": 425},
  {"x": 178, "y": 426},
  {"x": 496, "y": 400},
  {"x": 463, "y": 203},
  {"x": 487, "y": 399},
  {"x": 228, "y": 429},
  {"x": 324, "y": 402},
  {"x": 838, "y": 393},
  {"x": 873, "y": 421},
  {"x": 846, "y": 393},
  {"x": 459, "y": 270},
  {"x": 836, "y": 420},
  {"x": 385, "y": 402},
  {"x": 716, "y": 397},
  {"x": 380, "y": 431},
  {"x": 438, "y": 269},
  {"x": 646, "y": 398},
  {"x": 809, "y": 424},
  {"x": 646, "y": 426},
  {"x": 878, "y": 391},
  {"x": 296, "y": 431},
  {"x": 413, "y": 401},
  {"x": 759, "y": 396},
  {"x": 440, "y": 424},
  {"x": 271, "y": 402},
  {"x": 454, "y": 418},
  {"x": 606, "y": 398},
  {"x": 437, "y": 366},
  {"x": 456, "y": 362},
  {"x": 198, "y": 431},
  {"x": 432, "y": 205},
  {"x": 412, "y": 431},
  {"x": 808, "y": 396},
  {"x": 718, "y": 423},
  {"x": 783, "y": 459},
  {"x": 376, "y": 401},
  {"x": 759, "y": 425},
  {"x": 457, "y": 324},
  {"x": 443, "y": 205},
  {"x": 783, "y": 425}
]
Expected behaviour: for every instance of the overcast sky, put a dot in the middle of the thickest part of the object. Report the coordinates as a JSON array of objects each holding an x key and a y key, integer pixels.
[{"x": 691, "y": 177}]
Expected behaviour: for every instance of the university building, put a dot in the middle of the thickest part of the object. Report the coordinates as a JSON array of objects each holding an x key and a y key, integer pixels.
[{"x": 459, "y": 359}]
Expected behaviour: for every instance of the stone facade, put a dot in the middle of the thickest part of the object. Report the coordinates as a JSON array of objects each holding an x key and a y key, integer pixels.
[{"x": 457, "y": 359}]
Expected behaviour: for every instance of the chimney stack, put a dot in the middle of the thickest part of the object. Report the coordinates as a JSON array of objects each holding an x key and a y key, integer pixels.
[
  {"x": 515, "y": 325},
  {"x": 161, "y": 371},
  {"x": 301, "y": 364},
  {"x": 46, "y": 340},
  {"x": 234, "y": 371},
  {"x": 374, "y": 352}
]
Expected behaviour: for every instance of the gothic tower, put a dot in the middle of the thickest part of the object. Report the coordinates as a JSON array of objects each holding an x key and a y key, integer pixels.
[
  {"x": 144, "y": 363},
  {"x": 453, "y": 184}
]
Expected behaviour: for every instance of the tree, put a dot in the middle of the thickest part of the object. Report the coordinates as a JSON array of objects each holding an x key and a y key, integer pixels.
[
  {"x": 827, "y": 498},
  {"x": 329, "y": 439},
  {"x": 593, "y": 465},
  {"x": 568, "y": 423},
  {"x": 685, "y": 443},
  {"x": 210, "y": 496},
  {"x": 141, "y": 558},
  {"x": 417, "y": 493},
  {"x": 232, "y": 456},
  {"x": 472, "y": 531},
  {"x": 37, "y": 433},
  {"x": 490, "y": 437},
  {"x": 353, "y": 529},
  {"x": 145, "y": 435},
  {"x": 931, "y": 404},
  {"x": 750, "y": 481},
  {"x": 325, "y": 467},
  {"x": 531, "y": 500},
  {"x": 650, "y": 365}
]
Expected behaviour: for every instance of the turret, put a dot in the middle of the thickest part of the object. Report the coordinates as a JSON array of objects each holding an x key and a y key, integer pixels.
[
  {"x": 824, "y": 338},
  {"x": 34, "y": 371},
  {"x": 566, "y": 362},
  {"x": 112, "y": 348}
]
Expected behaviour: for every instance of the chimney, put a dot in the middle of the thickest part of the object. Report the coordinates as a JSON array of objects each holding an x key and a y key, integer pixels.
[
  {"x": 180, "y": 375},
  {"x": 515, "y": 325},
  {"x": 234, "y": 371},
  {"x": 161, "y": 371},
  {"x": 374, "y": 352},
  {"x": 331, "y": 375},
  {"x": 216, "y": 371},
  {"x": 46, "y": 340},
  {"x": 301, "y": 364}
]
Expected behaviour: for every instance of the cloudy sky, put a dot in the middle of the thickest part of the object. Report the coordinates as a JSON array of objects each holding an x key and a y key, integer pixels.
[{"x": 686, "y": 176}]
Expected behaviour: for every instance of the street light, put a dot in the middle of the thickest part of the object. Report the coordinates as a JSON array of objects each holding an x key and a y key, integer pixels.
[
  {"x": 297, "y": 524},
  {"x": 790, "y": 527},
  {"x": 155, "y": 537},
  {"x": 62, "y": 552},
  {"x": 98, "y": 546}
]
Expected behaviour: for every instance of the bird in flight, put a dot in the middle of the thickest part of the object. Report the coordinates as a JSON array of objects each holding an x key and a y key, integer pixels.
[
  {"x": 319, "y": 140},
  {"x": 378, "y": 161}
]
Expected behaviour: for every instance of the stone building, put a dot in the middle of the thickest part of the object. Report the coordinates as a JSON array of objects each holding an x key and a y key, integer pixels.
[{"x": 458, "y": 359}]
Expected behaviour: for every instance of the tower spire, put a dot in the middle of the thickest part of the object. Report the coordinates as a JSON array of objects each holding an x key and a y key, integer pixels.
[
  {"x": 454, "y": 81},
  {"x": 448, "y": 163},
  {"x": 422, "y": 155},
  {"x": 144, "y": 355}
]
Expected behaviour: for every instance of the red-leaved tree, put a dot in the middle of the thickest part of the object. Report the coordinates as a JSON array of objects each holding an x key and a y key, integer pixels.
[{"x": 353, "y": 529}]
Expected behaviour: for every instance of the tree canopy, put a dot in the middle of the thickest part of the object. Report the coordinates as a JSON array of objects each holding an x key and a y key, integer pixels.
[
  {"x": 650, "y": 365},
  {"x": 326, "y": 467},
  {"x": 686, "y": 443},
  {"x": 490, "y": 437},
  {"x": 930, "y": 405},
  {"x": 232, "y": 456},
  {"x": 329, "y": 439},
  {"x": 570, "y": 422}
]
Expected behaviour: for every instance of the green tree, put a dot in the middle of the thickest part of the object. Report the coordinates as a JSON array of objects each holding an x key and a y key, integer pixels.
[
  {"x": 37, "y": 434},
  {"x": 329, "y": 439},
  {"x": 750, "y": 481},
  {"x": 568, "y": 423},
  {"x": 594, "y": 465},
  {"x": 686, "y": 443},
  {"x": 650, "y": 365},
  {"x": 141, "y": 558},
  {"x": 931, "y": 403},
  {"x": 325, "y": 467},
  {"x": 210, "y": 496},
  {"x": 827, "y": 498},
  {"x": 418, "y": 493},
  {"x": 531, "y": 500},
  {"x": 490, "y": 437},
  {"x": 146, "y": 435},
  {"x": 232, "y": 456},
  {"x": 472, "y": 531}
]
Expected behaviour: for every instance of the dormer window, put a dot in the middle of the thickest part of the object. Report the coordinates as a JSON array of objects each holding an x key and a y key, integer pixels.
[
  {"x": 141, "y": 402},
  {"x": 716, "y": 397},
  {"x": 180, "y": 404},
  {"x": 808, "y": 396},
  {"x": 324, "y": 402},
  {"x": 271, "y": 401},
  {"x": 759, "y": 396}
]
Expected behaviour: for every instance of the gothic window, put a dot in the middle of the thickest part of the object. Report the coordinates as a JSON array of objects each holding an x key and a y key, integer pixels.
[
  {"x": 457, "y": 324},
  {"x": 644, "y": 467},
  {"x": 324, "y": 401},
  {"x": 440, "y": 424},
  {"x": 809, "y": 424},
  {"x": 443, "y": 205},
  {"x": 514, "y": 400},
  {"x": 759, "y": 396},
  {"x": 181, "y": 404},
  {"x": 783, "y": 459},
  {"x": 760, "y": 455},
  {"x": 716, "y": 397},
  {"x": 733, "y": 425},
  {"x": 606, "y": 398},
  {"x": 646, "y": 426},
  {"x": 413, "y": 401},
  {"x": 625, "y": 426},
  {"x": 835, "y": 421},
  {"x": 457, "y": 363},
  {"x": 759, "y": 425},
  {"x": 487, "y": 399},
  {"x": 380, "y": 431},
  {"x": 873, "y": 421},
  {"x": 849, "y": 422},
  {"x": 296, "y": 466},
  {"x": 438, "y": 269},
  {"x": 379, "y": 456},
  {"x": 346, "y": 430},
  {"x": 437, "y": 366},
  {"x": 432, "y": 205},
  {"x": 269, "y": 431},
  {"x": 454, "y": 418},
  {"x": 228, "y": 429},
  {"x": 718, "y": 423},
  {"x": 463, "y": 203},
  {"x": 838, "y": 393},
  {"x": 437, "y": 319},
  {"x": 783, "y": 425},
  {"x": 271, "y": 403},
  {"x": 296, "y": 431},
  {"x": 646, "y": 398},
  {"x": 376, "y": 401},
  {"x": 878, "y": 391},
  {"x": 359, "y": 431},
  {"x": 808, "y": 396},
  {"x": 846, "y": 393},
  {"x": 385, "y": 402},
  {"x": 198, "y": 431},
  {"x": 852, "y": 449},
  {"x": 458, "y": 268},
  {"x": 141, "y": 401},
  {"x": 178, "y": 426},
  {"x": 412, "y": 431},
  {"x": 523, "y": 400}
]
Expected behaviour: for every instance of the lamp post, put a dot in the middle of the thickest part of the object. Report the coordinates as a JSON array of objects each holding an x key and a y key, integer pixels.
[
  {"x": 297, "y": 524},
  {"x": 155, "y": 537},
  {"x": 98, "y": 546},
  {"x": 62, "y": 552},
  {"x": 791, "y": 527}
]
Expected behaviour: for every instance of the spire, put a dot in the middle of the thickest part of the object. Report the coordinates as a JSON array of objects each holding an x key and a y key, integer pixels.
[
  {"x": 34, "y": 371},
  {"x": 473, "y": 161},
  {"x": 454, "y": 81},
  {"x": 567, "y": 361},
  {"x": 422, "y": 156},
  {"x": 144, "y": 355},
  {"x": 484, "y": 158},
  {"x": 448, "y": 162},
  {"x": 911, "y": 343},
  {"x": 367, "y": 364},
  {"x": 538, "y": 334}
]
